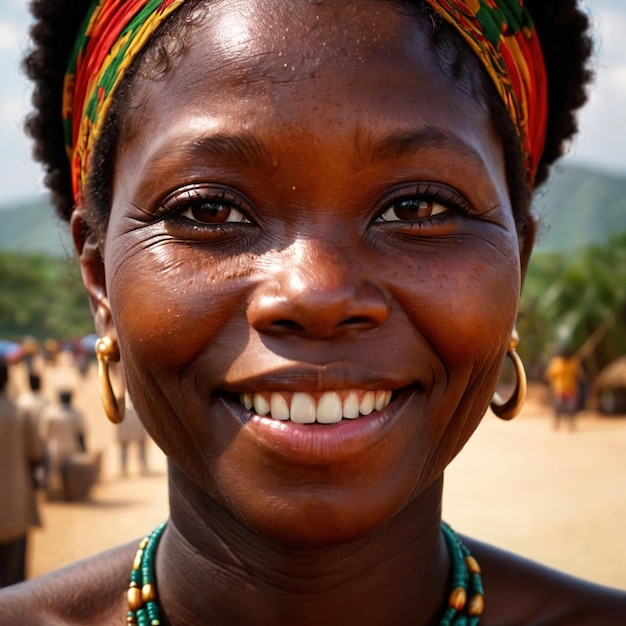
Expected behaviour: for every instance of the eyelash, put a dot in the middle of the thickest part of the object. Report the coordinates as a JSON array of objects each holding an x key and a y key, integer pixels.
[
  {"x": 452, "y": 203},
  {"x": 204, "y": 197}
]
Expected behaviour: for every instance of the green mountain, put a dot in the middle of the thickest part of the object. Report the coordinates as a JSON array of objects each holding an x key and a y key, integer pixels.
[
  {"x": 32, "y": 226},
  {"x": 579, "y": 205}
]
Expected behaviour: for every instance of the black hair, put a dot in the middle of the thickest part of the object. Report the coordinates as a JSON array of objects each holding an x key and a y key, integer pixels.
[
  {"x": 562, "y": 26},
  {"x": 4, "y": 375},
  {"x": 34, "y": 382},
  {"x": 65, "y": 396}
]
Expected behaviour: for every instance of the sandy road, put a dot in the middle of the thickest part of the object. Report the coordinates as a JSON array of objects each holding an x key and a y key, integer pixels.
[{"x": 554, "y": 496}]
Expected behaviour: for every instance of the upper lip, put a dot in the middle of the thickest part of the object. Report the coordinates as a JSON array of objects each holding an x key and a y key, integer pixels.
[{"x": 317, "y": 379}]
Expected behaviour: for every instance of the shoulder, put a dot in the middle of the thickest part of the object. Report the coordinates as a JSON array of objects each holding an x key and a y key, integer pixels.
[
  {"x": 92, "y": 591},
  {"x": 522, "y": 592}
]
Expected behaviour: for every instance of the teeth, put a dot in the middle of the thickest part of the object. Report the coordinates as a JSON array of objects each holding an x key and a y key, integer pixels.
[
  {"x": 246, "y": 400},
  {"x": 261, "y": 405},
  {"x": 351, "y": 406},
  {"x": 302, "y": 408},
  {"x": 329, "y": 408},
  {"x": 367, "y": 403},
  {"x": 279, "y": 407},
  {"x": 379, "y": 402}
]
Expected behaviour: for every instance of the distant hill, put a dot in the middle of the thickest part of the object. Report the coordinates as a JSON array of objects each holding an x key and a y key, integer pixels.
[
  {"x": 32, "y": 226},
  {"x": 578, "y": 206}
]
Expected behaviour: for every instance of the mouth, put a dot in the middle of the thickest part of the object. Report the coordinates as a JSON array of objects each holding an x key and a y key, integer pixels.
[{"x": 328, "y": 407}]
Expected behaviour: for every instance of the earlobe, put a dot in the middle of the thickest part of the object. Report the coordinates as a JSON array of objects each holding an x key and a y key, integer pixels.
[{"x": 89, "y": 251}]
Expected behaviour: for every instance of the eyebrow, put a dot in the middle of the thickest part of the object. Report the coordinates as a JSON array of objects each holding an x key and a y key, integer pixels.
[
  {"x": 241, "y": 149},
  {"x": 244, "y": 148},
  {"x": 402, "y": 144}
]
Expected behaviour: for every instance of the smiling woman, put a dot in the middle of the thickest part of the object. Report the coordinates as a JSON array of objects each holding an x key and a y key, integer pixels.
[{"x": 303, "y": 229}]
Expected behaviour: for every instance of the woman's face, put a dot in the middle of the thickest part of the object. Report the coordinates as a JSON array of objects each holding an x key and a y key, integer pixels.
[{"x": 308, "y": 216}]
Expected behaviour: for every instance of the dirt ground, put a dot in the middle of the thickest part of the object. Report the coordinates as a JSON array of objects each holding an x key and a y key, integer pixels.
[{"x": 558, "y": 497}]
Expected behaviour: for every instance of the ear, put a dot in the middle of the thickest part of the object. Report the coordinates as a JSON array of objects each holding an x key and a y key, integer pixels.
[
  {"x": 527, "y": 242},
  {"x": 88, "y": 244}
]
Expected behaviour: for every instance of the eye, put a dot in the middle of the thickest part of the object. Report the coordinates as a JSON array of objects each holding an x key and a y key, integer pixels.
[
  {"x": 421, "y": 203},
  {"x": 410, "y": 209},
  {"x": 206, "y": 205}
]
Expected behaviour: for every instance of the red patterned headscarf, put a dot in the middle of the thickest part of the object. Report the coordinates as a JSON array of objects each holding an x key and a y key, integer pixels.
[
  {"x": 112, "y": 35},
  {"x": 500, "y": 32}
]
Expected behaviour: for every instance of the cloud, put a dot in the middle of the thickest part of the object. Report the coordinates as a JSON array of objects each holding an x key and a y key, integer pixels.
[
  {"x": 10, "y": 35},
  {"x": 610, "y": 27}
]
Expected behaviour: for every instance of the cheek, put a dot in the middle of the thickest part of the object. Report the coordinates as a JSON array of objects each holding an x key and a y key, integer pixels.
[
  {"x": 465, "y": 298},
  {"x": 170, "y": 300},
  {"x": 177, "y": 317}
]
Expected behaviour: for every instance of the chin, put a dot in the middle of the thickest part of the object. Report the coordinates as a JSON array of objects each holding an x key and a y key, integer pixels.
[{"x": 319, "y": 526}]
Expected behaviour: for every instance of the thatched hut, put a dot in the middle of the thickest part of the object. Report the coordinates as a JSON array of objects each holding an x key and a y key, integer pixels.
[{"x": 610, "y": 387}]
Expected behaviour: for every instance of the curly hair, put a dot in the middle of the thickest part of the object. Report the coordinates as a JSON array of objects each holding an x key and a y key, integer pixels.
[{"x": 563, "y": 29}]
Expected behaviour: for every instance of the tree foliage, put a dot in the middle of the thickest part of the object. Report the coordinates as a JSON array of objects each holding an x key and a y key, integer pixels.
[
  {"x": 42, "y": 296},
  {"x": 579, "y": 300}
]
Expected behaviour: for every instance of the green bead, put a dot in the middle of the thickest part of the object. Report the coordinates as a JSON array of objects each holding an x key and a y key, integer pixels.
[
  {"x": 471, "y": 583},
  {"x": 147, "y": 615}
]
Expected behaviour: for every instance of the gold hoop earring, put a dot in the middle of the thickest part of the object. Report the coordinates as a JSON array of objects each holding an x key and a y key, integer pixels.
[
  {"x": 107, "y": 351},
  {"x": 508, "y": 409}
]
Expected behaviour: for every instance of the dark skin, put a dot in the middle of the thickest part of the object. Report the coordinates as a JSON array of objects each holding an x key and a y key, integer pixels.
[{"x": 309, "y": 208}]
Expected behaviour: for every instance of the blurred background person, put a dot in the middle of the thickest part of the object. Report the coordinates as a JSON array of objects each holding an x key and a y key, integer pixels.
[
  {"x": 63, "y": 430},
  {"x": 566, "y": 378},
  {"x": 131, "y": 433},
  {"x": 20, "y": 451},
  {"x": 32, "y": 403}
]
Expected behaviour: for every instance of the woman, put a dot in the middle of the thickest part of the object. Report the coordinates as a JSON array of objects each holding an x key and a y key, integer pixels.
[{"x": 303, "y": 227}]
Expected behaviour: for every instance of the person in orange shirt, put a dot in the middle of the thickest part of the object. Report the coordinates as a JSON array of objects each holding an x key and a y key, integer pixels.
[{"x": 565, "y": 374}]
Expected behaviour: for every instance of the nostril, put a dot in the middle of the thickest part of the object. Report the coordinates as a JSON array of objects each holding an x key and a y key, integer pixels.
[
  {"x": 357, "y": 321},
  {"x": 287, "y": 325}
]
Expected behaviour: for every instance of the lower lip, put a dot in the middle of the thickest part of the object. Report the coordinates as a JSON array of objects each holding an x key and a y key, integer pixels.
[{"x": 315, "y": 444}]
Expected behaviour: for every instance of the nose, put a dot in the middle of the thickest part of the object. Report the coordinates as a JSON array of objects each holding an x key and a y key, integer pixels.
[{"x": 315, "y": 293}]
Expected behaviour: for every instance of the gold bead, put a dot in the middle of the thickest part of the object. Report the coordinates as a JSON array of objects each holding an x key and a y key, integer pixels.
[
  {"x": 476, "y": 605},
  {"x": 131, "y": 619},
  {"x": 472, "y": 565},
  {"x": 458, "y": 598},
  {"x": 148, "y": 593},
  {"x": 137, "y": 561},
  {"x": 133, "y": 595}
]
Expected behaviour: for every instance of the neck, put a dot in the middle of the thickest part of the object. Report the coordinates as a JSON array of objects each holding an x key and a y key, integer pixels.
[{"x": 398, "y": 575}]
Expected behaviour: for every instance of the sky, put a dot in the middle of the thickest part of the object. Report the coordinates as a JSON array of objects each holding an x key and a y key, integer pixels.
[{"x": 601, "y": 143}]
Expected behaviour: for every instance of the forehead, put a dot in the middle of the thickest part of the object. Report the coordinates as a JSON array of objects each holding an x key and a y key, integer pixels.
[
  {"x": 265, "y": 65},
  {"x": 248, "y": 44}
]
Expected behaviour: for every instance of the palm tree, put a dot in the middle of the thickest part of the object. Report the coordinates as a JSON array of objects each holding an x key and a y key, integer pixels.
[{"x": 578, "y": 300}]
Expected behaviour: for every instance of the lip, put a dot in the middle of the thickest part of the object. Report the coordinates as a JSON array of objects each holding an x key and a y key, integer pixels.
[
  {"x": 319, "y": 444},
  {"x": 315, "y": 379}
]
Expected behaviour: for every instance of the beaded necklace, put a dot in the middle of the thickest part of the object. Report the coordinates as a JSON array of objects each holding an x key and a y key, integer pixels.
[{"x": 143, "y": 607}]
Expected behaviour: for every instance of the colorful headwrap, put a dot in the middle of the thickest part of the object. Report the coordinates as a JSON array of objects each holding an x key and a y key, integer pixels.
[
  {"x": 113, "y": 33},
  {"x": 501, "y": 33}
]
